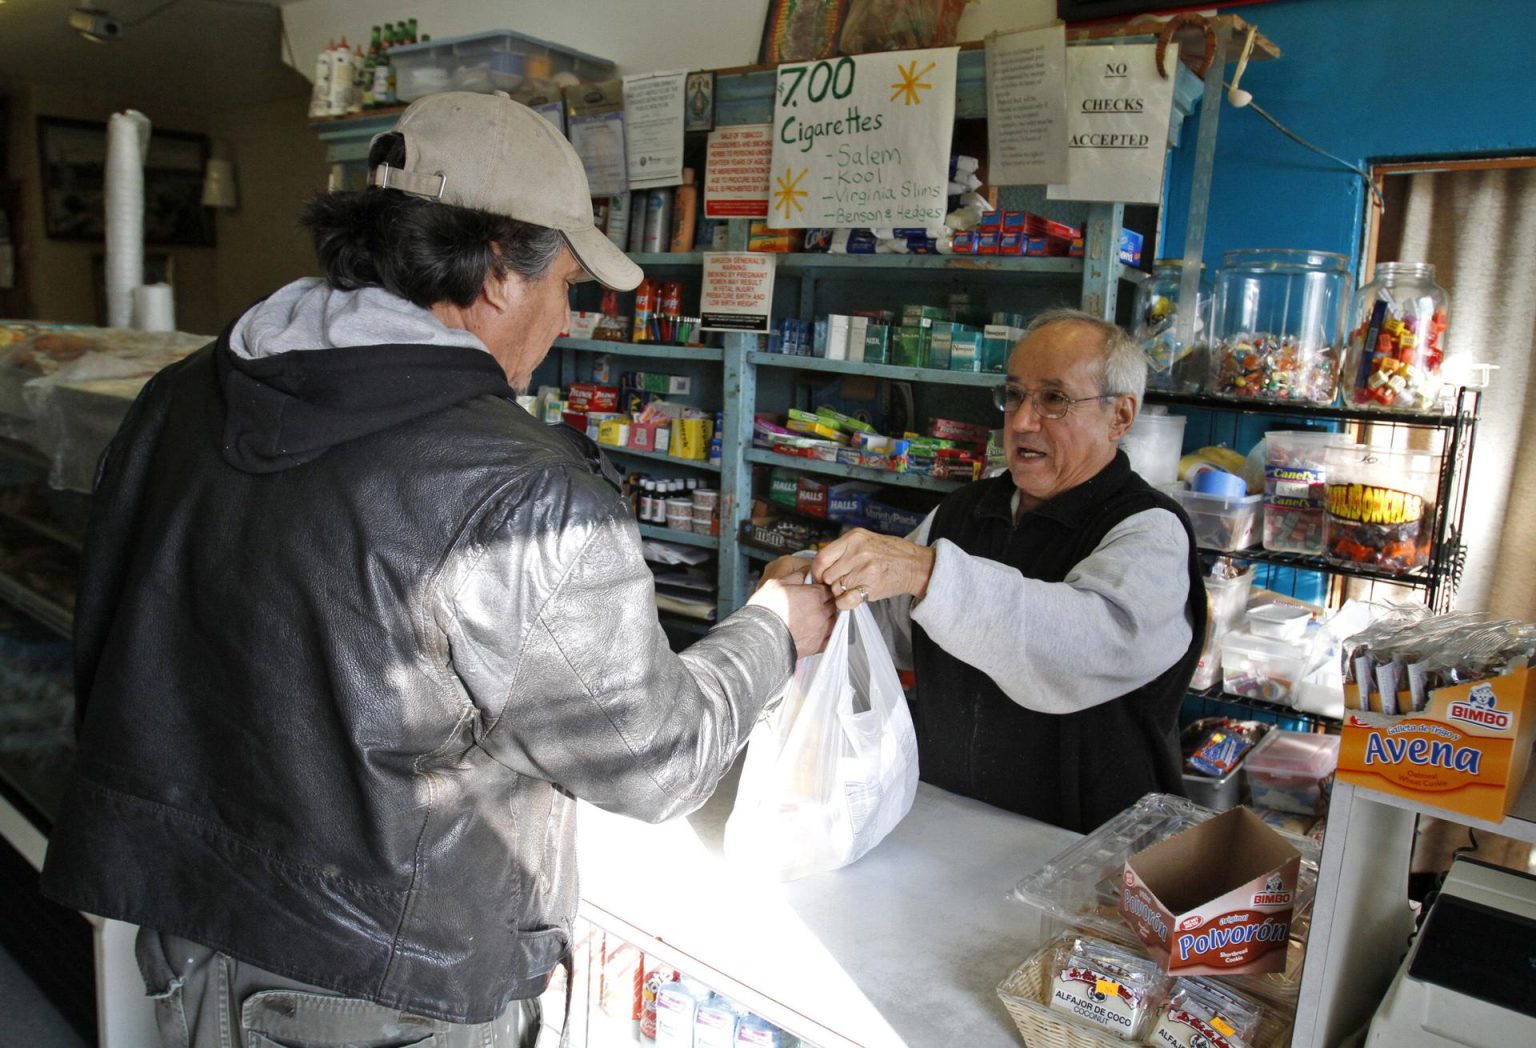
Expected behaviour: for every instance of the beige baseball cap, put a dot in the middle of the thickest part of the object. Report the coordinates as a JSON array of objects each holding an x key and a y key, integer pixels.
[{"x": 494, "y": 154}]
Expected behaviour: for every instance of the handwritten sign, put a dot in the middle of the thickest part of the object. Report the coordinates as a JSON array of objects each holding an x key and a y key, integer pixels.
[
  {"x": 1117, "y": 124},
  {"x": 1026, "y": 108},
  {"x": 736, "y": 171},
  {"x": 863, "y": 140},
  {"x": 738, "y": 291}
]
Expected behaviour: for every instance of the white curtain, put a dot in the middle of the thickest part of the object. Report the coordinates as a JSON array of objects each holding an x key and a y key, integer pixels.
[{"x": 1478, "y": 227}]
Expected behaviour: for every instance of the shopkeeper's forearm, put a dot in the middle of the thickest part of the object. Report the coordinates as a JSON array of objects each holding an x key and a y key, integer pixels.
[{"x": 1114, "y": 623}]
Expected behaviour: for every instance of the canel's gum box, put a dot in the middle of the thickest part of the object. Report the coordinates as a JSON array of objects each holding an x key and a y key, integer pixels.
[
  {"x": 1215, "y": 899},
  {"x": 1467, "y": 751}
]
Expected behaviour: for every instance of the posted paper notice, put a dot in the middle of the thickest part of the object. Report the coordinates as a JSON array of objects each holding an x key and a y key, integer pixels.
[
  {"x": 1026, "y": 107},
  {"x": 738, "y": 291},
  {"x": 653, "y": 118},
  {"x": 1117, "y": 124},
  {"x": 863, "y": 140},
  {"x": 736, "y": 171}
]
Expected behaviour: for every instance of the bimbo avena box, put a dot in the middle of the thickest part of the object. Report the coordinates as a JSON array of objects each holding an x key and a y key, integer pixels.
[{"x": 1215, "y": 899}]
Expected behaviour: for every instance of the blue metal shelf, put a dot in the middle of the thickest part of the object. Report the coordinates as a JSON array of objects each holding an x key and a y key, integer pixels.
[
  {"x": 874, "y": 476},
  {"x": 936, "y": 376},
  {"x": 661, "y": 457},
  {"x": 640, "y": 349},
  {"x": 687, "y": 538}
]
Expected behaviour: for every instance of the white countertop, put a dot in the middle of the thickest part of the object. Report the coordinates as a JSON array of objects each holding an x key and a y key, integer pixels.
[{"x": 904, "y": 947}]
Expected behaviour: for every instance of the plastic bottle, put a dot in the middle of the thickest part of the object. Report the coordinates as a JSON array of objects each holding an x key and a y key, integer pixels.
[
  {"x": 658, "y": 220},
  {"x": 341, "y": 79},
  {"x": 320, "y": 97},
  {"x": 645, "y": 309},
  {"x": 355, "y": 96},
  {"x": 677, "y": 1004},
  {"x": 753, "y": 1031},
  {"x": 685, "y": 212},
  {"x": 714, "y": 1024},
  {"x": 618, "y": 220},
  {"x": 637, "y": 204}
]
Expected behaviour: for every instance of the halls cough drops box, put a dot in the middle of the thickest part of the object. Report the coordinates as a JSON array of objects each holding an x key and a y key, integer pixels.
[{"x": 1468, "y": 750}]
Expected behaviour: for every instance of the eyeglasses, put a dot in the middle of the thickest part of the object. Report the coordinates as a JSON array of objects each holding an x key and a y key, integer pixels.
[{"x": 1048, "y": 403}]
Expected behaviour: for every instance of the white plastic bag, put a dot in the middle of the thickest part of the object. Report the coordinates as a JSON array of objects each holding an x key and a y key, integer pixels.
[{"x": 833, "y": 769}]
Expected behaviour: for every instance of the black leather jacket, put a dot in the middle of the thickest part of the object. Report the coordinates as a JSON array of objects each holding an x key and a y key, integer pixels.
[{"x": 354, "y": 632}]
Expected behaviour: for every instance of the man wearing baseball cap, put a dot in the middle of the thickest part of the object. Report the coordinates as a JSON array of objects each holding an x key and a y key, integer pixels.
[{"x": 354, "y": 631}]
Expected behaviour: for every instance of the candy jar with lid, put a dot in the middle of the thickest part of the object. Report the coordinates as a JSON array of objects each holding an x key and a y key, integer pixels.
[
  {"x": 1174, "y": 364},
  {"x": 1397, "y": 341},
  {"x": 1381, "y": 507},
  {"x": 1278, "y": 322}
]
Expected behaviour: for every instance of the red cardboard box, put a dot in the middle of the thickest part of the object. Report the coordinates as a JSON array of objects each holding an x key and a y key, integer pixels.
[
  {"x": 811, "y": 497},
  {"x": 1215, "y": 899},
  {"x": 585, "y": 396}
]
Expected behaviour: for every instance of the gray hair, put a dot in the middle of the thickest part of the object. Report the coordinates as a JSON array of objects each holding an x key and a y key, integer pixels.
[{"x": 1125, "y": 363}]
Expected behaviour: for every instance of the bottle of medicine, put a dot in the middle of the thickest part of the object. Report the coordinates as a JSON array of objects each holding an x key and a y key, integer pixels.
[
  {"x": 714, "y": 1024},
  {"x": 677, "y": 1005}
]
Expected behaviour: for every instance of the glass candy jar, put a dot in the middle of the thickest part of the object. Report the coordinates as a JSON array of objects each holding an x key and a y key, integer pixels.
[
  {"x": 1381, "y": 507},
  {"x": 1397, "y": 340},
  {"x": 1278, "y": 324},
  {"x": 1174, "y": 365}
]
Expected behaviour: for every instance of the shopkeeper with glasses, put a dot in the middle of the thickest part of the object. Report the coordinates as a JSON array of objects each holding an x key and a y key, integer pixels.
[{"x": 1054, "y": 613}]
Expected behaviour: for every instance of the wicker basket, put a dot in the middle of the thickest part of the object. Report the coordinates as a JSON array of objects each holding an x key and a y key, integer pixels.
[{"x": 1023, "y": 994}]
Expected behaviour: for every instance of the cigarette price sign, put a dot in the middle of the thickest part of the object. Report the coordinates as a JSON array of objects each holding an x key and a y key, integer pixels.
[{"x": 863, "y": 140}]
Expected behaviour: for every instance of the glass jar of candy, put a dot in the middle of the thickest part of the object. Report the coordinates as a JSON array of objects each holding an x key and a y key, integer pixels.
[
  {"x": 1381, "y": 507},
  {"x": 1397, "y": 341},
  {"x": 1278, "y": 323},
  {"x": 1174, "y": 364}
]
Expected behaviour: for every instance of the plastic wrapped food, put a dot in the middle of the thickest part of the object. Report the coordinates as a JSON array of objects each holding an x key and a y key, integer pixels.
[
  {"x": 1105, "y": 985},
  {"x": 1205, "y": 1013}
]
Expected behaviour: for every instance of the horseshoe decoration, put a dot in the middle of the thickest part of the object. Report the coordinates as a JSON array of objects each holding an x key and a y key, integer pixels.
[{"x": 1172, "y": 26}]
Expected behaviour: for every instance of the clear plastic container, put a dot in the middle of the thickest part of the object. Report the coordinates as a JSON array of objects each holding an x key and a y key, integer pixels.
[
  {"x": 1153, "y": 444},
  {"x": 1295, "y": 489},
  {"x": 1397, "y": 346},
  {"x": 500, "y": 60},
  {"x": 1173, "y": 364},
  {"x": 1261, "y": 667},
  {"x": 1278, "y": 319},
  {"x": 1080, "y": 886},
  {"x": 1226, "y": 600},
  {"x": 1381, "y": 509},
  {"x": 1289, "y": 771},
  {"x": 1225, "y": 522}
]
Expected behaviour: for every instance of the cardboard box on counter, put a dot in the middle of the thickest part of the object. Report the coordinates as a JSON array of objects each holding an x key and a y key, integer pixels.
[
  {"x": 1215, "y": 899},
  {"x": 1467, "y": 751}
]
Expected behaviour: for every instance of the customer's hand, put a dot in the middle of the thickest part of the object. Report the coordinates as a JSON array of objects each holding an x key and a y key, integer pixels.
[
  {"x": 791, "y": 569},
  {"x": 807, "y": 609},
  {"x": 862, "y": 566}
]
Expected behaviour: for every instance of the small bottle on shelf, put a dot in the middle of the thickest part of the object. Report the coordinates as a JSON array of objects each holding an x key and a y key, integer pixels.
[{"x": 685, "y": 217}]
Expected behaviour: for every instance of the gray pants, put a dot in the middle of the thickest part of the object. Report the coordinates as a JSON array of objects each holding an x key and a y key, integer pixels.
[{"x": 207, "y": 999}]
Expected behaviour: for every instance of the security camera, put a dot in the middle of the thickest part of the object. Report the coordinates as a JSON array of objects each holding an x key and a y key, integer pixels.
[{"x": 94, "y": 25}]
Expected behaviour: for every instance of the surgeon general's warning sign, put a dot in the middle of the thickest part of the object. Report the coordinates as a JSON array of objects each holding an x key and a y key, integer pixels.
[
  {"x": 1118, "y": 108},
  {"x": 863, "y": 140},
  {"x": 738, "y": 291}
]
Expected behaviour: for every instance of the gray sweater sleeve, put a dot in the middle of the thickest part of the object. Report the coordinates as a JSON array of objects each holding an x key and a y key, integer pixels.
[{"x": 1115, "y": 622}]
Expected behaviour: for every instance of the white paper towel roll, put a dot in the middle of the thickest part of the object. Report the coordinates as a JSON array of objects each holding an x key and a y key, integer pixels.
[
  {"x": 127, "y": 144},
  {"x": 154, "y": 307}
]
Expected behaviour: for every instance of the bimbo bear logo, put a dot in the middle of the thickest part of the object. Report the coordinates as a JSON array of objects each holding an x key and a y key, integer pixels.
[
  {"x": 1481, "y": 708},
  {"x": 1274, "y": 893},
  {"x": 1275, "y": 883}
]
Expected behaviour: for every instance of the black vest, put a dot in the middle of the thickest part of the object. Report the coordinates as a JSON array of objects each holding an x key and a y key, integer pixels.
[{"x": 1075, "y": 770}]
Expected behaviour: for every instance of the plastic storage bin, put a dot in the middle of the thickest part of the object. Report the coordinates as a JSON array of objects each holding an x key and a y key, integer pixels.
[
  {"x": 1153, "y": 444},
  {"x": 1397, "y": 342},
  {"x": 1381, "y": 507},
  {"x": 1279, "y": 318},
  {"x": 500, "y": 60},
  {"x": 1173, "y": 365},
  {"x": 1226, "y": 600},
  {"x": 1295, "y": 489},
  {"x": 1222, "y": 521},
  {"x": 1260, "y": 667},
  {"x": 1289, "y": 771}
]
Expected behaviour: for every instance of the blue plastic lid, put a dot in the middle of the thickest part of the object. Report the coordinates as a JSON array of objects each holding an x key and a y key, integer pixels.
[{"x": 1220, "y": 482}]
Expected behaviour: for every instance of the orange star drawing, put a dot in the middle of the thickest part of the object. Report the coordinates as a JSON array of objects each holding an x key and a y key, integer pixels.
[
  {"x": 911, "y": 82},
  {"x": 787, "y": 196}
]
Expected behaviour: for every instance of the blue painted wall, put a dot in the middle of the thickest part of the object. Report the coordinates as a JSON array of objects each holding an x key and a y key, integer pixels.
[{"x": 1368, "y": 80}]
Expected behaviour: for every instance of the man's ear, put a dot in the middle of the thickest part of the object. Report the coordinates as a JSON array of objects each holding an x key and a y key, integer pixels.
[
  {"x": 505, "y": 294},
  {"x": 1124, "y": 415}
]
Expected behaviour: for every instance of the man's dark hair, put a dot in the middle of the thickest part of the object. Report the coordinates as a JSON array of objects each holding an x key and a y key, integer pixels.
[{"x": 417, "y": 248}]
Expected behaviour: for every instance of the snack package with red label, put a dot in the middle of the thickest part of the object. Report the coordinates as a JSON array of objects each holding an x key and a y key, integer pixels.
[
  {"x": 1104, "y": 985},
  {"x": 1205, "y": 1013}
]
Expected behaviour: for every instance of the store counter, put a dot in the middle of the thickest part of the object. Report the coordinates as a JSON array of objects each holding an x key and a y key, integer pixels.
[{"x": 904, "y": 947}]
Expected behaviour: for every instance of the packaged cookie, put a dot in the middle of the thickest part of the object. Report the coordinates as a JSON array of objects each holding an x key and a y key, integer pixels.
[
  {"x": 1104, "y": 985},
  {"x": 1203, "y": 1013}
]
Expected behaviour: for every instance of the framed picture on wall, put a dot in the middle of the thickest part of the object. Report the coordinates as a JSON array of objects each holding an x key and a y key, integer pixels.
[{"x": 73, "y": 154}]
